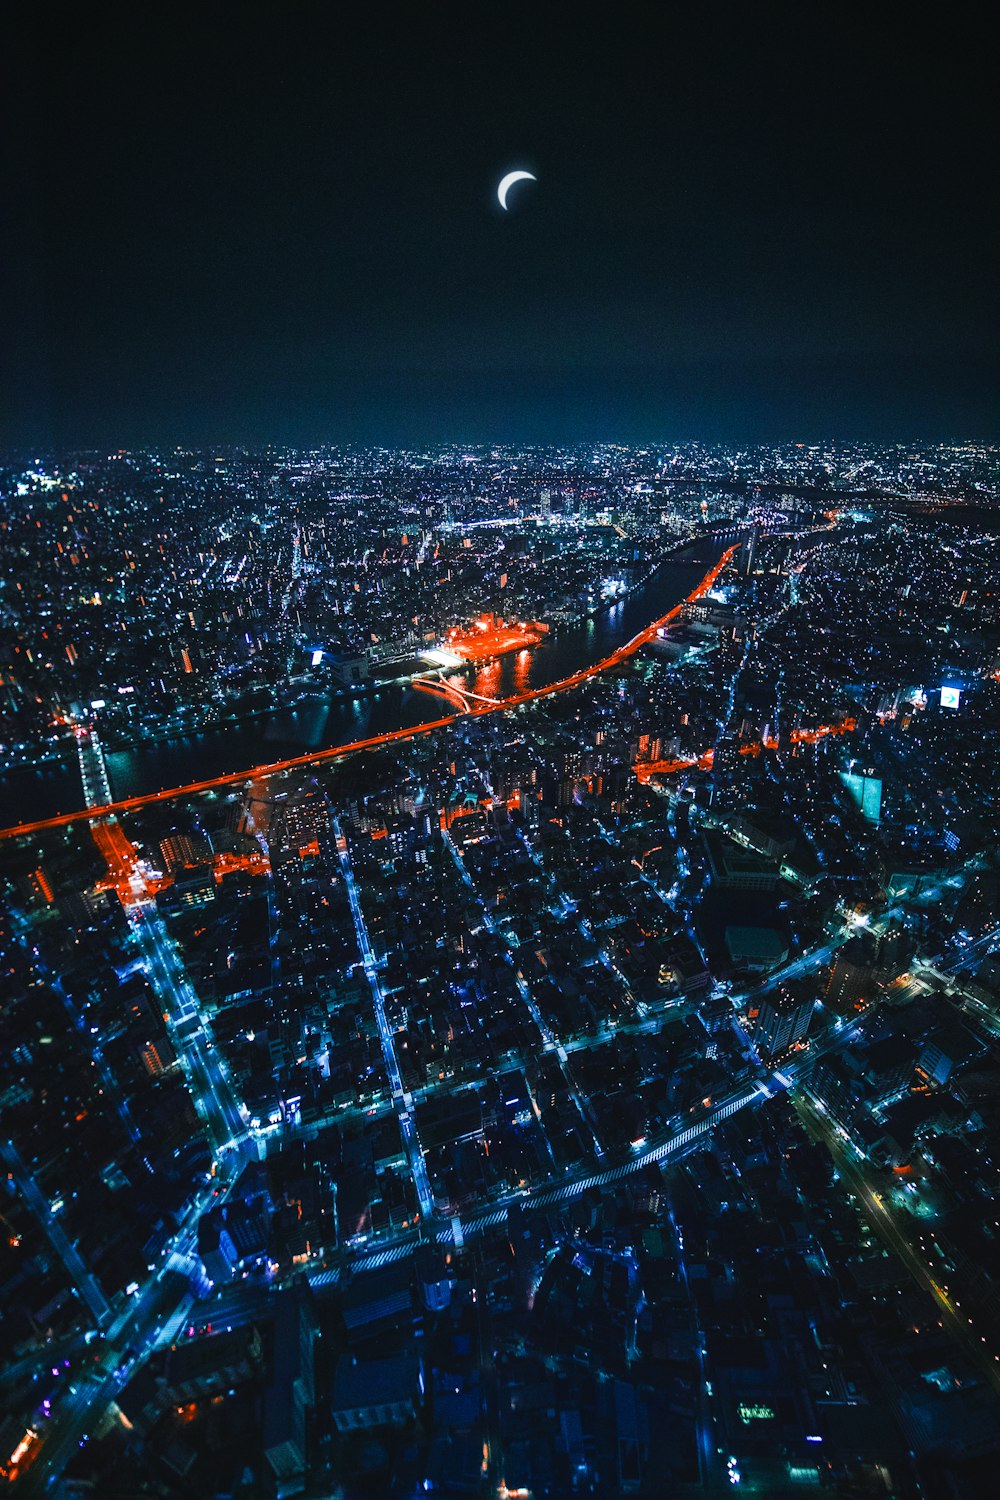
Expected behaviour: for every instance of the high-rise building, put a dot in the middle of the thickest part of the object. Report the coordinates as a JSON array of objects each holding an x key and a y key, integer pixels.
[
  {"x": 182, "y": 851},
  {"x": 290, "y": 1392},
  {"x": 782, "y": 1020},
  {"x": 192, "y": 887},
  {"x": 298, "y": 820},
  {"x": 157, "y": 1057},
  {"x": 852, "y": 973}
]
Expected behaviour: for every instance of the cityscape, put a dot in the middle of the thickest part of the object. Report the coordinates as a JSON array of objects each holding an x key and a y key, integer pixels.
[
  {"x": 501, "y": 962},
  {"x": 499, "y": 753}
]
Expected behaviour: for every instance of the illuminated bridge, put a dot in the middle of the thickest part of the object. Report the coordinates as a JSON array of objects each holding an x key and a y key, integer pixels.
[
  {"x": 462, "y": 698},
  {"x": 477, "y": 705},
  {"x": 93, "y": 771}
]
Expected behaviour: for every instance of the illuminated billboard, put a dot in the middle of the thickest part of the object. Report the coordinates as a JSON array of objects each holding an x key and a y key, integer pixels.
[{"x": 950, "y": 697}]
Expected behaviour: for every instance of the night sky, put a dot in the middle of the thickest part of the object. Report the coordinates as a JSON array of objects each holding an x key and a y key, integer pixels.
[{"x": 280, "y": 224}]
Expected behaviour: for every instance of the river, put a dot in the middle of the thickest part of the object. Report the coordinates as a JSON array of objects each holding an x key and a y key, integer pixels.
[{"x": 27, "y": 794}]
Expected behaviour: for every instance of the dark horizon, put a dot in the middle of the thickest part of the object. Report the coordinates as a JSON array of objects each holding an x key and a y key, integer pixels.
[
  {"x": 747, "y": 228},
  {"x": 386, "y": 417},
  {"x": 777, "y": 407}
]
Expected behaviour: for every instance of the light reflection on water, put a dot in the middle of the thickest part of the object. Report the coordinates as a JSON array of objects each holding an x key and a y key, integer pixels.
[{"x": 318, "y": 723}]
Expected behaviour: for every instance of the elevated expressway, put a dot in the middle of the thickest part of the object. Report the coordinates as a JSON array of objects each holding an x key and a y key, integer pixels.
[{"x": 476, "y": 706}]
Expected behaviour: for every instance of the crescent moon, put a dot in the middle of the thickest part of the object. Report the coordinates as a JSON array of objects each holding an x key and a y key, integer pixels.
[{"x": 508, "y": 182}]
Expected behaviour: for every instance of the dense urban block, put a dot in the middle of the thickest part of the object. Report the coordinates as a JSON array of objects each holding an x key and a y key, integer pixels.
[{"x": 501, "y": 957}]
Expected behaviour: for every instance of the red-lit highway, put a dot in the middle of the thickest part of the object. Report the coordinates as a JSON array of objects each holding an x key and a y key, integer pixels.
[{"x": 393, "y": 736}]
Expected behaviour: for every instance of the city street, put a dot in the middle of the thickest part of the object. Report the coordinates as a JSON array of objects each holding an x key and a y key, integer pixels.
[{"x": 893, "y": 1228}]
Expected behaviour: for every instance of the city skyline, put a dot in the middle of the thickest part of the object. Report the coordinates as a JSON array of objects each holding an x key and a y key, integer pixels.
[
  {"x": 489, "y": 932},
  {"x": 499, "y": 754}
]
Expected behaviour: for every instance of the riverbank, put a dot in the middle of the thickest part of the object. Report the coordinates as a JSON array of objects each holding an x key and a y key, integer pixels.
[{"x": 327, "y": 727}]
